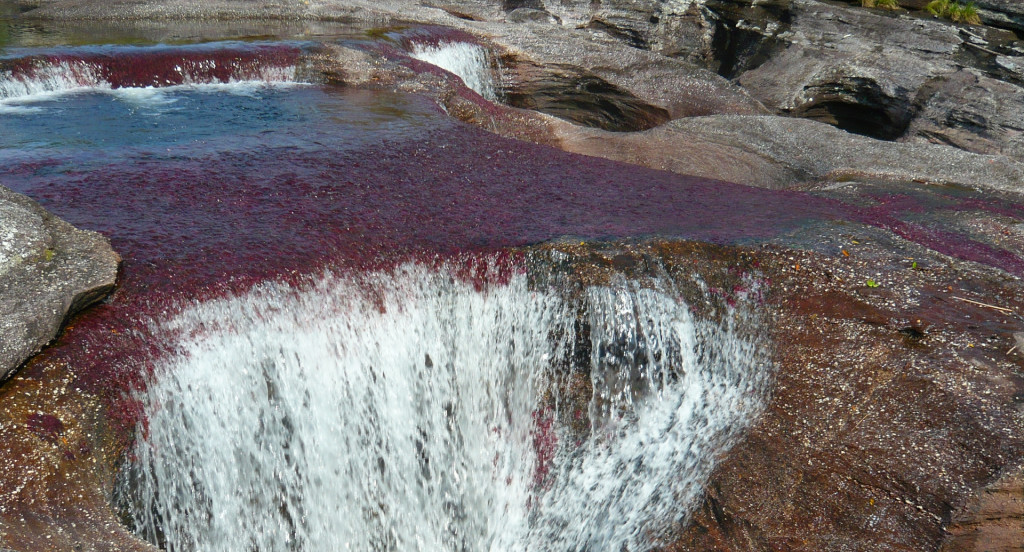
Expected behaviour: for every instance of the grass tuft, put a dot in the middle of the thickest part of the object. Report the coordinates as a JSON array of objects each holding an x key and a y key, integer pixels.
[
  {"x": 882, "y": 4},
  {"x": 955, "y": 11}
]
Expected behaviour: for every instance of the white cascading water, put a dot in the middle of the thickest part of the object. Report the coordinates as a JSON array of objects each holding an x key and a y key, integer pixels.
[
  {"x": 405, "y": 411},
  {"x": 70, "y": 77},
  {"x": 63, "y": 76},
  {"x": 467, "y": 61}
]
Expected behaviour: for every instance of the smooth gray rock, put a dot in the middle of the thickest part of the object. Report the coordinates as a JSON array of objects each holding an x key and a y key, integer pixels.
[
  {"x": 48, "y": 270},
  {"x": 549, "y": 64},
  {"x": 784, "y": 152}
]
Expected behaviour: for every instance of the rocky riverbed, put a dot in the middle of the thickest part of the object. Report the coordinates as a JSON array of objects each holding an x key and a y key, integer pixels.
[{"x": 896, "y": 420}]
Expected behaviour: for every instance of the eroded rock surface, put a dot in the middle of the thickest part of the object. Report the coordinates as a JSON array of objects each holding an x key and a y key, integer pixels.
[
  {"x": 889, "y": 407},
  {"x": 778, "y": 152},
  {"x": 1002, "y": 13},
  {"x": 48, "y": 270},
  {"x": 972, "y": 112},
  {"x": 555, "y": 71},
  {"x": 853, "y": 68}
]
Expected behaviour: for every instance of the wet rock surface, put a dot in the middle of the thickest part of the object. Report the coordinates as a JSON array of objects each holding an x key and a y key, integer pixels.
[
  {"x": 993, "y": 519},
  {"x": 49, "y": 270},
  {"x": 896, "y": 419},
  {"x": 895, "y": 399}
]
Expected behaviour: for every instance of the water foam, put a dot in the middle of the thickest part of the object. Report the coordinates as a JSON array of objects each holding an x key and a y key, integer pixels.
[
  {"x": 467, "y": 61},
  {"x": 412, "y": 411},
  {"x": 45, "y": 80}
]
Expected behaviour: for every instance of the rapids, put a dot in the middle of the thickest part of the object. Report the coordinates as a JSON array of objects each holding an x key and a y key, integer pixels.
[
  {"x": 410, "y": 410},
  {"x": 297, "y": 375}
]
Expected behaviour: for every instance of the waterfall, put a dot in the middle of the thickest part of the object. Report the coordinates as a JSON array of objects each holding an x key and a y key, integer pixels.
[
  {"x": 467, "y": 61},
  {"x": 411, "y": 410},
  {"x": 39, "y": 76}
]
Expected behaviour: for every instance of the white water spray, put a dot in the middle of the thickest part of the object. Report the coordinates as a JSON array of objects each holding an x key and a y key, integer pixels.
[
  {"x": 467, "y": 61},
  {"x": 406, "y": 411},
  {"x": 51, "y": 81}
]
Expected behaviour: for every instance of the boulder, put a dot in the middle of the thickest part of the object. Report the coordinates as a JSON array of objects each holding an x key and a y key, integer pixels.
[
  {"x": 588, "y": 77},
  {"x": 854, "y": 68},
  {"x": 1001, "y": 13},
  {"x": 48, "y": 271},
  {"x": 973, "y": 112}
]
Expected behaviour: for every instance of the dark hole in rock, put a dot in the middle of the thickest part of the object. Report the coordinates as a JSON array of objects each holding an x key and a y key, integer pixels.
[
  {"x": 509, "y": 5},
  {"x": 912, "y": 332},
  {"x": 736, "y": 51},
  {"x": 630, "y": 36},
  {"x": 587, "y": 100},
  {"x": 741, "y": 39},
  {"x": 866, "y": 119},
  {"x": 461, "y": 15}
]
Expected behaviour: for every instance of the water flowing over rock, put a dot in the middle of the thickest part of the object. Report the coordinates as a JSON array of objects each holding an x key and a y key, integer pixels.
[
  {"x": 48, "y": 271},
  {"x": 411, "y": 411},
  {"x": 875, "y": 269},
  {"x": 467, "y": 61}
]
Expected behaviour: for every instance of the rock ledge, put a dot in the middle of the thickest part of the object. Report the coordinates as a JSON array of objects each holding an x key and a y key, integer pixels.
[{"x": 48, "y": 271}]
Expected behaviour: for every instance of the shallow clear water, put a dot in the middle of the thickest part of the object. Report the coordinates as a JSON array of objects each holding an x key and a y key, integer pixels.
[{"x": 111, "y": 124}]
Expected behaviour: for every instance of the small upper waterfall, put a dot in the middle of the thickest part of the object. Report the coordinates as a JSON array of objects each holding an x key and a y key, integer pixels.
[
  {"x": 467, "y": 61},
  {"x": 412, "y": 410},
  {"x": 30, "y": 75}
]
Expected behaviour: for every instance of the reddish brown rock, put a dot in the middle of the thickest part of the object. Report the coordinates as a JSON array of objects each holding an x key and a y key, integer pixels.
[
  {"x": 878, "y": 433},
  {"x": 993, "y": 521}
]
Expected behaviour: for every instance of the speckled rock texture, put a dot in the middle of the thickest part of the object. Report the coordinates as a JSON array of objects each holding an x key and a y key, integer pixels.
[
  {"x": 48, "y": 271},
  {"x": 993, "y": 520},
  {"x": 890, "y": 416}
]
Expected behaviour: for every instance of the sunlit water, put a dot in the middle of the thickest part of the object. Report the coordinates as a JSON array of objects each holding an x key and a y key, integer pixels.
[
  {"x": 408, "y": 410},
  {"x": 469, "y": 62},
  {"x": 390, "y": 409}
]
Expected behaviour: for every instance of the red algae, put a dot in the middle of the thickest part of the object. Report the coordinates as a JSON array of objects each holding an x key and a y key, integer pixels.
[
  {"x": 209, "y": 219},
  {"x": 46, "y": 426},
  {"x": 217, "y": 217},
  {"x": 892, "y": 210},
  {"x": 136, "y": 67},
  {"x": 203, "y": 224}
]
